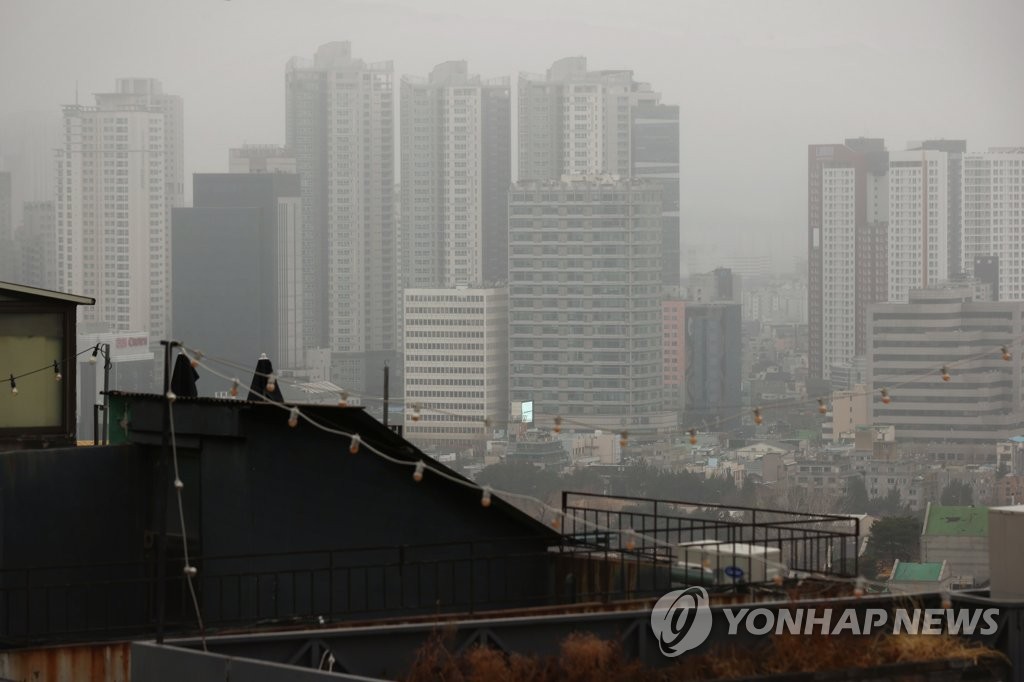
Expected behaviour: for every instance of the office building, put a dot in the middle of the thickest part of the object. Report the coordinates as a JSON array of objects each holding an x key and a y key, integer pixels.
[
  {"x": 340, "y": 127},
  {"x": 993, "y": 219},
  {"x": 118, "y": 175},
  {"x": 456, "y": 367},
  {"x": 578, "y": 122},
  {"x": 918, "y": 221},
  {"x": 847, "y": 220},
  {"x": 585, "y": 336},
  {"x": 944, "y": 326},
  {"x": 238, "y": 266},
  {"x": 713, "y": 374},
  {"x": 456, "y": 168}
]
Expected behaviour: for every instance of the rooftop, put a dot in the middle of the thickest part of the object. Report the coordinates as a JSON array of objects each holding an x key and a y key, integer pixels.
[
  {"x": 958, "y": 521},
  {"x": 909, "y": 571}
]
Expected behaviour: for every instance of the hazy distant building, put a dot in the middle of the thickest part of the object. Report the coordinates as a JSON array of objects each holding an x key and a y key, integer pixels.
[
  {"x": 36, "y": 242},
  {"x": 955, "y": 150},
  {"x": 238, "y": 268},
  {"x": 943, "y": 325},
  {"x": 456, "y": 168},
  {"x": 119, "y": 172},
  {"x": 456, "y": 366},
  {"x": 27, "y": 141},
  {"x": 986, "y": 271},
  {"x": 918, "y": 221},
  {"x": 993, "y": 196},
  {"x": 719, "y": 285},
  {"x": 714, "y": 359},
  {"x": 578, "y": 122},
  {"x": 8, "y": 260},
  {"x": 673, "y": 351},
  {"x": 655, "y": 156},
  {"x": 847, "y": 221},
  {"x": 340, "y": 126},
  {"x": 585, "y": 337},
  {"x": 261, "y": 158}
]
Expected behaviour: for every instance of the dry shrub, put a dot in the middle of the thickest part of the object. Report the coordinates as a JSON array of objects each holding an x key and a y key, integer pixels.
[{"x": 584, "y": 657}]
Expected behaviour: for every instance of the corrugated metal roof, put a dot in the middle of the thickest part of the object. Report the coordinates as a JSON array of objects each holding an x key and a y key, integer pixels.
[
  {"x": 46, "y": 293},
  {"x": 907, "y": 571}
]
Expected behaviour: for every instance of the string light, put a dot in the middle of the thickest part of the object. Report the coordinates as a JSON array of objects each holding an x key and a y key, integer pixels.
[
  {"x": 171, "y": 396},
  {"x": 558, "y": 425},
  {"x": 95, "y": 350},
  {"x": 293, "y": 417},
  {"x": 234, "y": 388},
  {"x": 57, "y": 376},
  {"x": 822, "y": 407},
  {"x": 858, "y": 590},
  {"x": 945, "y": 373},
  {"x": 353, "y": 445},
  {"x": 196, "y": 359},
  {"x": 693, "y": 436},
  {"x": 14, "y": 386},
  {"x": 624, "y": 439},
  {"x": 778, "y": 579},
  {"x": 343, "y": 399},
  {"x": 556, "y": 521},
  {"x": 415, "y": 412},
  {"x": 757, "y": 416},
  {"x": 485, "y": 499},
  {"x": 630, "y": 539},
  {"x": 271, "y": 383},
  {"x": 1006, "y": 353},
  {"x": 417, "y": 474},
  {"x": 947, "y": 600},
  {"x": 885, "y": 396},
  {"x": 190, "y": 571},
  {"x": 178, "y": 483}
]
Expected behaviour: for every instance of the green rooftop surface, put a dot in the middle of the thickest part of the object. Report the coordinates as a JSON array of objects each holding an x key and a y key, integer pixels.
[
  {"x": 963, "y": 521},
  {"x": 907, "y": 571}
]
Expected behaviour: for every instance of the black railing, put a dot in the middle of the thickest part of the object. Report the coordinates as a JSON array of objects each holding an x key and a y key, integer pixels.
[
  {"x": 754, "y": 545},
  {"x": 119, "y": 600}
]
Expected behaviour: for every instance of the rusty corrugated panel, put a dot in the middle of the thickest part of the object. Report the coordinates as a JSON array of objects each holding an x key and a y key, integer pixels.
[{"x": 110, "y": 662}]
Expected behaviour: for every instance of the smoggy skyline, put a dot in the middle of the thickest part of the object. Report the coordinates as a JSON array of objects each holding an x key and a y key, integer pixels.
[{"x": 756, "y": 82}]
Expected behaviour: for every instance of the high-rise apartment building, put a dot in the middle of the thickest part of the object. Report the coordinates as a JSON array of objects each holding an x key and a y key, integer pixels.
[
  {"x": 456, "y": 366},
  {"x": 578, "y": 122},
  {"x": 241, "y": 239},
  {"x": 955, "y": 150},
  {"x": 847, "y": 220},
  {"x": 918, "y": 221},
  {"x": 456, "y": 168},
  {"x": 119, "y": 172},
  {"x": 36, "y": 242},
  {"x": 993, "y": 218},
  {"x": 944, "y": 325},
  {"x": 340, "y": 127},
  {"x": 673, "y": 351},
  {"x": 585, "y": 336}
]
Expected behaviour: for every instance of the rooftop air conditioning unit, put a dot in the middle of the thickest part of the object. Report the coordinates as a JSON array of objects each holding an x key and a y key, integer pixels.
[{"x": 731, "y": 562}]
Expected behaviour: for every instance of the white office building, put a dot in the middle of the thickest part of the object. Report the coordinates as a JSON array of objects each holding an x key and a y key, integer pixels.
[{"x": 456, "y": 366}]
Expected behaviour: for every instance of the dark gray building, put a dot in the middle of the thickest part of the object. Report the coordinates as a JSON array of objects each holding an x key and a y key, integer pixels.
[
  {"x": 585, "y": 337},
  {"x": 655, "y": 156},
  {"x": 955, "y": 150},
  {"x": 237, "y": 267},
  {"x": 712, "y": 398}
]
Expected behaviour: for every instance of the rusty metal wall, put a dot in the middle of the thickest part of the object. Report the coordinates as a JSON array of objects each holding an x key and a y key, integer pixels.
[{"x": 93, "y": 662}]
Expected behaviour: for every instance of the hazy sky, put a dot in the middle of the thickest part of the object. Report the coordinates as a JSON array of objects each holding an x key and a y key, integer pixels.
[{"x": 756, "y": 81}]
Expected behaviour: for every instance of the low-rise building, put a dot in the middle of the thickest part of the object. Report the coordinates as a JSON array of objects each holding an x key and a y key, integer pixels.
[{"x": 958, "y": 536}]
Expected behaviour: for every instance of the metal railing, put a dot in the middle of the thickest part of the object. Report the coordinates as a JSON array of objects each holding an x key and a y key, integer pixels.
[{"x": 683, "y": 532}]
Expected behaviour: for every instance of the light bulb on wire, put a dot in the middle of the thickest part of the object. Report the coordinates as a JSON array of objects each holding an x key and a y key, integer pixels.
[
  {"x": 693, "y": 436},
  {"x": 271, "y": 383},
  {"x": 945, "y": 373},
  {"x": 415, "y": 412},
  {"x": 822, "y": 407},
  {"x": 95, "y": 350},
  {"x": 14, "y": 386},
  {"x": 293, "y": 417},
  {"x": 234, "y": 388},
  {"x": 557, "y": 428},
  {"x": 353, "y": 445},
  {"x": 196, "y": 359},
  {"x": 758, "y": 419},
  {"x": 624, "y": 439},
  {"x": 1006, "y": 353},
  {"x": 417, "y": 475},
  {"x": 57, "y": 376},
  {"x": 343, "y": 399},
  {"x": 885, "y": 396},
  {"x": 485, "y": 498}
]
